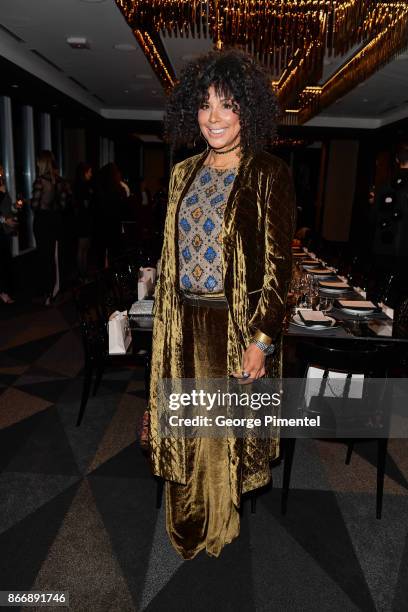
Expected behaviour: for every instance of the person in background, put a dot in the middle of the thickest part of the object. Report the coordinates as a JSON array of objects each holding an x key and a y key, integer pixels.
[
  {"x": 84, "y": 214},
  {"x": 159, "y": 213},
  {"x": 146, "y": 198},
  {"x": 8, "y": 224},
  {"x": 50, "y": 197},
  {"x": 126, "y": 187},
  {"x": 110, "y": 199},
  {"x": 145, "y": 213},
  {"x": 389, "y": 215},
  {"x": 160, "y": 205}
]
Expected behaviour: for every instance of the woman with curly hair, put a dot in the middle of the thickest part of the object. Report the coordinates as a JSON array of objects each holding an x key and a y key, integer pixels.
[{"x": 220, "y": 298}]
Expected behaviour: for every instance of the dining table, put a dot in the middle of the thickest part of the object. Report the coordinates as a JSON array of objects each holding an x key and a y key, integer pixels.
[{"x": 315, "y": 287}]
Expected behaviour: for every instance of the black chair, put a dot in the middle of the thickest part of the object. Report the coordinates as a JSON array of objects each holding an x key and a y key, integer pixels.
[
  {"x": 94, "y": 338},
  {"x": 371, "y": 359},
  {"x": 95, "y": 301},
  {"x": 400, "y": 326},
  {"x": 125, "y": 277}
]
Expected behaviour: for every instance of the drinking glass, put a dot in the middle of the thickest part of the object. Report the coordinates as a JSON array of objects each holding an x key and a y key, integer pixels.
[{"x": 325, "y": 303}]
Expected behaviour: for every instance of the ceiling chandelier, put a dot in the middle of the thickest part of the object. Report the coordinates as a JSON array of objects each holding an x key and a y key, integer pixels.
[{"x": 295, "y": 39}]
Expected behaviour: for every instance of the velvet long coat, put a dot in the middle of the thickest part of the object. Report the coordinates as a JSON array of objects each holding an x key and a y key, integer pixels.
[{"x": 258, "y": 227}]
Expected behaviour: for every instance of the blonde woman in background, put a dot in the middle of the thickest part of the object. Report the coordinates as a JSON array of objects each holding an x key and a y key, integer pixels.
[{"x": 49, "y": 198}]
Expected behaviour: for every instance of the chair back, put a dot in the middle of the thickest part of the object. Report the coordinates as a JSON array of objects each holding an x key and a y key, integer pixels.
[
  {"x": 92, "y": 321},
  {"x": 400, "y": 325},
  {"x": 338, "y": 391},
  {"x": 108, "y": 292},
  {"x": 369, "y": 358},
  {"x": 126, "y": 278}
]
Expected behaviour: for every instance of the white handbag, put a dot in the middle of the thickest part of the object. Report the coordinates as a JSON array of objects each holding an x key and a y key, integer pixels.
[{"x": 119, "y": 333}]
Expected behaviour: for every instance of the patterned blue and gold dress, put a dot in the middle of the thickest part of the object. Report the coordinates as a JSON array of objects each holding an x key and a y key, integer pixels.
[
  {"x": 200, "y": 514},
  {"x": 200, "y": 230}
]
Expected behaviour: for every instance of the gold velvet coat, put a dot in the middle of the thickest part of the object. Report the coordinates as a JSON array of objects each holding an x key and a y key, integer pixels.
[{"x": 258, "y": 227}]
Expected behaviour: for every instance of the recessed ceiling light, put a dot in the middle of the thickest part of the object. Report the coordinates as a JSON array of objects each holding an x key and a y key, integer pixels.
[
  {"x": 78, "y": 42},
  {"x": 124, "y": 47},
  {"x": 15, "y": 86},
  {"x": 365, "y": 99},
  {"x": 125, "y": 91}
]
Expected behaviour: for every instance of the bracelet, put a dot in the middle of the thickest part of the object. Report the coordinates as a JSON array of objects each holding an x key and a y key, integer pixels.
[
  {"x": 267, "y": 349},
  {"x": 258, "y": 335}
]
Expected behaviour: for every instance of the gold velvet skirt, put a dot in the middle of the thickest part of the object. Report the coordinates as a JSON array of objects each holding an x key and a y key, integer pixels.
[{"x": 200, "y": 514}]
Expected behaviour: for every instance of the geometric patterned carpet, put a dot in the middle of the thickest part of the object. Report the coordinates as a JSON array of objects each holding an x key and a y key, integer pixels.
[{"x": 77, "y": 505}]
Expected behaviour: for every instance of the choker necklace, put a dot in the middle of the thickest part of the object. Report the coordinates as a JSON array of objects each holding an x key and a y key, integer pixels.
[{"x": 224, "y": 152}]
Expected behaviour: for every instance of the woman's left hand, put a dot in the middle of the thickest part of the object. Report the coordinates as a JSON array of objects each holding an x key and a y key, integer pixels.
[{"x": 253, "y": 363}]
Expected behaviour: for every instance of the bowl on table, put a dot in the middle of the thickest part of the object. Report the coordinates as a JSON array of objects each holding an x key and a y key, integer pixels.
[
  {"x": 323, "y": 272},
  {"x": 334, "y": 286},
  {"x": 310, "y": 263},
  {"x": 357, "y": 307}
]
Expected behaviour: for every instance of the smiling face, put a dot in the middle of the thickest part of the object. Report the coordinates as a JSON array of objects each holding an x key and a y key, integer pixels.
[{"x": 218, "y": 122}]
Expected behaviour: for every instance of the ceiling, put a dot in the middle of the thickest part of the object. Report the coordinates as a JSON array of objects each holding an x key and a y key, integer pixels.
[{"x": 120, "y": 84}]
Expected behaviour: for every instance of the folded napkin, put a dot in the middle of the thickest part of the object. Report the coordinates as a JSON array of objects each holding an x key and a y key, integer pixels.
[
  {"x": 360, "y": 292},
  {"x": 387, "y": 310},
  {"x": 381, "y": 329},
  {"x": 320, "y": 271},
  {"x": 357, "y": 304},
  {"x": 334, "y": 284},
  {"x": 313, "y": 317}
]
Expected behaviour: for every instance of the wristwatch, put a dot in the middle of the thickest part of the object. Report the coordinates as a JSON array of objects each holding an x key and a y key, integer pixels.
[{"x": 267, "y": 349}]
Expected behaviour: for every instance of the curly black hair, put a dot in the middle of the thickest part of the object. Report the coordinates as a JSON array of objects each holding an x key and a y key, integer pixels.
[{"x": 234, "y": 74}]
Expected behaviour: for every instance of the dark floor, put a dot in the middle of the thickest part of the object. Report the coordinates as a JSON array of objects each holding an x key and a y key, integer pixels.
[{"x": 78, "y": 505}]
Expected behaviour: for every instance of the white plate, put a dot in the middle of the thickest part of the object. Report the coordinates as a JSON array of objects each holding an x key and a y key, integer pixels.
[
  {"x": 360, "y": 311},
  {"x": 335, "y": 289},
  {"x": 296, "y": 320}
]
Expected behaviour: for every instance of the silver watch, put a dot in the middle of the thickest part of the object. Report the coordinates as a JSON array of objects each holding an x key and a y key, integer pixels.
[{"x": 267, "y": 349}]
